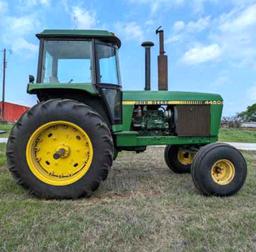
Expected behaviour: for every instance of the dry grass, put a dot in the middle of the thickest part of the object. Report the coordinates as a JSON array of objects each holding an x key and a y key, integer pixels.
[{"x": 142, "y": 206}]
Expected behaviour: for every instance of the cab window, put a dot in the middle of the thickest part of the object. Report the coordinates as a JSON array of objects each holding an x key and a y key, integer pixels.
[
  {"x": 66, "y": 62},
  {"x": 107, "y": 64}
]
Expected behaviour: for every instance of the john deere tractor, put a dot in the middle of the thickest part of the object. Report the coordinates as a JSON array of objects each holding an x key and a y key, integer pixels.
[{"x": 63, "y": 147}]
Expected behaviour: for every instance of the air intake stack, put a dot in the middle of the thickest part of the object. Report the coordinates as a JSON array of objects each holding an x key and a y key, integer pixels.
[
  {"x": 147, "y": 45},
  {"x": 162, "y": 62}
]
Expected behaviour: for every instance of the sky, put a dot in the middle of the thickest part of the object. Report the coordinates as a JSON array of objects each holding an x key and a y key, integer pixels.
[{"x": 211, "y": 44}]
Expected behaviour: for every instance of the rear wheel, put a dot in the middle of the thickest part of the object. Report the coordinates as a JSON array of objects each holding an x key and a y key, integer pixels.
[
  {"x": 219, "y": 169},
  {"x": 60, "y": 149},
  {"x": 178, "y": 159}
]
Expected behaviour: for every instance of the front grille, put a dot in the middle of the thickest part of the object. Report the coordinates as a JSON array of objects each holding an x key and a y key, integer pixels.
[{"x": 193, "y": 120}]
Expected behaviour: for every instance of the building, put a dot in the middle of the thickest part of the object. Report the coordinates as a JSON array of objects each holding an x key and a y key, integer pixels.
[
  {"x": 12, "y": 112},
  {"x": 248, "y": 125}
]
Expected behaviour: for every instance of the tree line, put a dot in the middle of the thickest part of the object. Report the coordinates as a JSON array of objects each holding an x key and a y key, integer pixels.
[{"x": 249, "y": 115}]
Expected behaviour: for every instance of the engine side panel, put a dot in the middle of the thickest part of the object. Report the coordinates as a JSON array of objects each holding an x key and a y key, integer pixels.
[{"x": 168, "y": 118}]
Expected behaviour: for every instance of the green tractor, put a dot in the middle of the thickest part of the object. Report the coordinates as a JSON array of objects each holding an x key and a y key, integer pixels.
[{"x": 63, "y": 147}]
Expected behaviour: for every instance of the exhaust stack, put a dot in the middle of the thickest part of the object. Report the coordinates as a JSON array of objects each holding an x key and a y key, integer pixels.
[
  {"x": 162, "y": 62},
  {"x": 147, "y": 45}
]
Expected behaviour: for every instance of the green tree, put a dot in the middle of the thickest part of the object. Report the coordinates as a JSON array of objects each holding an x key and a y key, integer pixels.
[{"x": 250, "y": 114}]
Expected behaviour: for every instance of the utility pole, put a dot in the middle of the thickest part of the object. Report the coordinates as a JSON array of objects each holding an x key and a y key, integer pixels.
[{"x": 3, "y": 90}]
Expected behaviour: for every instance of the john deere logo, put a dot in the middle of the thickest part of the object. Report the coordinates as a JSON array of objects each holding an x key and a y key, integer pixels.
[{"x": 172, "y": 102}]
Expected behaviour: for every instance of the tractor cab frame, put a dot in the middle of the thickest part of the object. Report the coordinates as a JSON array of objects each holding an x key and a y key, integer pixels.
[{"x": 88, "y": 59}]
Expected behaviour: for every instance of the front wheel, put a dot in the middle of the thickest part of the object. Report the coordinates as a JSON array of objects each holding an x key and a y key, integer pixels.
[
  {"x": 60, "y": 149},
  {"x": 219, "y": 169},
  {"x": 178, "y": 159}
]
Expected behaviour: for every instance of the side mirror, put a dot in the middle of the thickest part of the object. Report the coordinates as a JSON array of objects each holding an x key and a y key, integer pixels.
[{"x": 31, "y": 79}]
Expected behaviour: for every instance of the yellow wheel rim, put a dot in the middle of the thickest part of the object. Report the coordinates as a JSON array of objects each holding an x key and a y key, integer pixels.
[
  {"x": 223, "y": 172},
  {"x": 59, "y": 153},
  {"x": 185, "y": 157}
]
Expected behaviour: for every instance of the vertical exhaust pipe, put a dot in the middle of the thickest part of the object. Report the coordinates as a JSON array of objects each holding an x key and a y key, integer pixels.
[
  {"x": 147, "y": 45},
  {"x": 162, "y": 62}
]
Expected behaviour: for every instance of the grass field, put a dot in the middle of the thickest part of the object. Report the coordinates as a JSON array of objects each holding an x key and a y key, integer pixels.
[
  {"x": 142, "y": 206},
  {"x": 6, "y": 127},
  {"x": 237, "y": 135}
]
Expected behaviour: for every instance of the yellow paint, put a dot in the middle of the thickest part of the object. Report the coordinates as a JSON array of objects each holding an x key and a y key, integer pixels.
[
  {"x": 185, "y": 157},
  {"x": 59, "y": 153},
  {"x": 223, "y": 172},
  {"x": 172, "y": 102}
]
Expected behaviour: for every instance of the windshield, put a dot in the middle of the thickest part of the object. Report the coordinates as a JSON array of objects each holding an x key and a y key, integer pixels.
[
  {"x": 107, "y": 64},
  {"x": 66, "y": 62}
]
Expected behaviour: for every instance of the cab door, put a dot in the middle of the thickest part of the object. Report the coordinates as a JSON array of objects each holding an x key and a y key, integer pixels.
[{"x": 108, "y": 78}]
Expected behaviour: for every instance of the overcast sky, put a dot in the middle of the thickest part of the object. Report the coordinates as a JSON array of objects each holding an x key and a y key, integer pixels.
[{"x": 211, "y": 44}]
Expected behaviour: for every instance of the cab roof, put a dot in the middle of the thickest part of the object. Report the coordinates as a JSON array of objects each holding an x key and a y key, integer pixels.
[{"x": 98, "y": 34}]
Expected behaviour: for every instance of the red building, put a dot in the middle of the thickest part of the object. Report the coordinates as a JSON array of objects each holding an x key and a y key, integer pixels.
[{"x": 12, "y": 112}]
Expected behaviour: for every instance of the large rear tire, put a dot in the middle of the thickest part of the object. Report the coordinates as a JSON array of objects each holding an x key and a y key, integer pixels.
[
  {"x": 219, "y": 169},
  {"x": 60, "y": 149}
]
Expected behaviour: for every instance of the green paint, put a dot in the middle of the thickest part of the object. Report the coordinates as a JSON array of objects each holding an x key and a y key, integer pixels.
[
  {"x": 127, "y": 117},
  {"x": 117, "y": 127},
  {"x": 216, "y": 112},
  {"x": 169, "y": 96},
  {"x": 132, "y": 138},
  {"x": 125, "y": 137},
  {"x": 76, "y": 33},
  {"x": 34, "y": 88},
  {"x": 101, "y": 34}
]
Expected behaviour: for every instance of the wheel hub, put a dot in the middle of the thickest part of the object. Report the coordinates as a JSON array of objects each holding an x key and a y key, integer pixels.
[
  {"x": 223, "y": 172},
  {"x": 185, "y": 157},
  {"x": 62, "y": 152},
  {"x": 59, "y": 153}
]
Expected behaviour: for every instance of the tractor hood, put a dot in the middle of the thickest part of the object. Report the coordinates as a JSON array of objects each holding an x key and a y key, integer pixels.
[{"x": 169, "y": 97}]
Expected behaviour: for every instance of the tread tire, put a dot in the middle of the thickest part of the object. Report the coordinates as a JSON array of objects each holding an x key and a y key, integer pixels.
[
  {"x": 65, "y": 110},
  {"x": 201, "y": 169}
]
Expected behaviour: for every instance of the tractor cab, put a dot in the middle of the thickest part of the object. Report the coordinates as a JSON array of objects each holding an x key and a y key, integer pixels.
[{"x": 82, "y": 58}]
